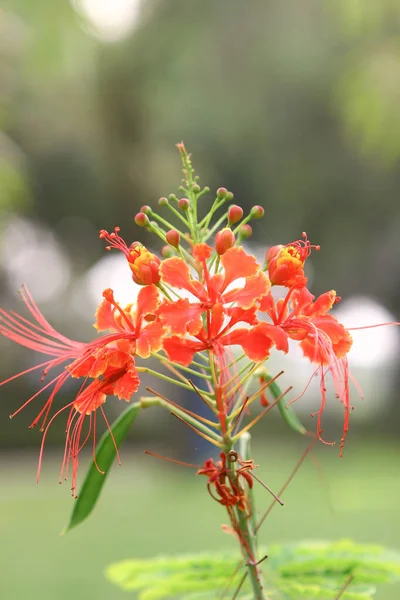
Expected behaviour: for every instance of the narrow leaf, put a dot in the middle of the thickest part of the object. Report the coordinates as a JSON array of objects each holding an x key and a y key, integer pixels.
[{"x": 105, "y": 456}]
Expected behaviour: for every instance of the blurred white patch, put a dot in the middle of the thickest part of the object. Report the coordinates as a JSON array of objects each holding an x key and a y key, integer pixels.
[
  {"x": 111, "y": 20},
  {"x": 111, "y": 271},
  {"x": 31, "y": 254},
  {"x": 373, "y": 347}
]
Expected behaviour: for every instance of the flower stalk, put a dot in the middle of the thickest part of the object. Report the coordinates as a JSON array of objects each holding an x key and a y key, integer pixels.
[{"x": 205, "y": 309}]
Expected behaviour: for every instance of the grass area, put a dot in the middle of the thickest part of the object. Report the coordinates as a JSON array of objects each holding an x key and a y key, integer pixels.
[{"x": 150, "y": 507}]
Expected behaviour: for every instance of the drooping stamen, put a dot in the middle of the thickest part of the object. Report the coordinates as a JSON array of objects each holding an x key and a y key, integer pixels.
[
  {"x": 200, "y": 433},
  {"x": 172, "y": 460},
  {"x": 267, "y": 488},
  {"x": 287, "y": 482},
  {"x": 263, "y": 413},
  {"x": 183, "y": 409},
  {"x": 200, "y": 395}
]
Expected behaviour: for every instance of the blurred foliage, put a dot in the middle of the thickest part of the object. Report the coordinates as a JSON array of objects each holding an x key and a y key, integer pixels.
[
  {"x": 290, "y": 105},
  {"x": 303, "y": 570}
]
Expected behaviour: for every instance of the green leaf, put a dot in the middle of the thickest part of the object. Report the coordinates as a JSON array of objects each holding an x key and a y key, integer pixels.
[
  {"x": 105, "y": 456},
  {"x": 309, "y": 570},
  {"x": 198, "y": 577}
]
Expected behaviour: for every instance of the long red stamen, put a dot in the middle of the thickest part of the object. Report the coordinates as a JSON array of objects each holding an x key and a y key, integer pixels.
[
  {"x": 172, "y": 460},
  {"x": 114, "y": 240}
]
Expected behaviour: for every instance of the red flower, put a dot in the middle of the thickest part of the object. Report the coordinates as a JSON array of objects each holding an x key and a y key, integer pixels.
[
  {"x": 144, "y": 330},
  {"x": 108, "y": 361},
  {"x": 186, "y": 316},
  {"x": 286, "y": 263},
  {"x": 217, "y": 335},
  {"x": 143, "y": 264},
  {"x": 322, "y": 338}
]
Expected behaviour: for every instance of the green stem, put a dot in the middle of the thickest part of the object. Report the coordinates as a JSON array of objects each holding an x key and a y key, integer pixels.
[
  {"x": 185, "y": 417},
  {"x": 245, "y": 454},
  {"x": 181, "y": 384},
  {"x": 245, "y": 525}
]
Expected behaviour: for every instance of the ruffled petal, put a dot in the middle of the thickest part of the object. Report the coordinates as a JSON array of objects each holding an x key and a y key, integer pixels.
[
  {"x": 255, "y": 288},
  {"x": 241, "y": 315},
  {"x": 127, "y": 384},
  {"x": 89, "y": 399},
  {"x": 201, "y": 252},
  {"x": 147, "y": 301},
  {"x": 217, "y": 320},
  {"x": 322, "y": 304},
  {"x": 238, "y": 264},
  {"x": 174, "y": 271},
  {"x": 150, "y": 339},
  {"x": 329, "y": 340},
  {"x": 105, "y": 317},
  {"x": 181, "y": 351},
  {"x": 181, "y": 316}
]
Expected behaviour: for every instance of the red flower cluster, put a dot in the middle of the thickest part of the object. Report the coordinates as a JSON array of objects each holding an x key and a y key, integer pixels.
[{"x": 200, "y": 300}]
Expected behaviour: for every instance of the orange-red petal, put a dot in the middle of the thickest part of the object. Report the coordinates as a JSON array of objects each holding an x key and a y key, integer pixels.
[
  {"x": 150, "y": 339},
  {"x": 237, "y": 263},
  {"x": 105, "y": 316},
  {"x": 181, "y": 316},
  {"x": 181, "y": 351},
  {"x": 201, "y": 252},
  {"x": 147, "y": 301},
  {"x": 174, "y": 271},
  {"x": 127, "y": 384},
  {"x": 330, "y": 340},
  {"x": 255, "y": 288}
]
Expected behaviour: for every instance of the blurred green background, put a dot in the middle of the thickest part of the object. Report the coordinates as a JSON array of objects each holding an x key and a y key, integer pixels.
[{"x": 290, "y": 104}]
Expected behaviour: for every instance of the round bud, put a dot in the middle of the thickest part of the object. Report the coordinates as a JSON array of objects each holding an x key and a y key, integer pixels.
[
  {"x": 183, "y": 203},
  {"x": 167, "y": 252},
  {"x": 245, "y": 232},
  {"x": 257, "y": 212},
  {"x": 229, "y": 196},
  {"x": 163, "y": 201},
  {"x": 146, "y": 210},
  {"x": 173, "y": 238},
  {"x": 224, "y": 240},
  {"x": 235, "y": 213},
  {"x": 196, "y": 189},
  {"x": 222, "y": 192},
  {"x": 173, "y": 198},
  {"x": 141, "y": 219}
]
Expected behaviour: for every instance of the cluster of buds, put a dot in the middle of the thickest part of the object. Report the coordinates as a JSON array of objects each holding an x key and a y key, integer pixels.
[{"x": 202, "y": 308}]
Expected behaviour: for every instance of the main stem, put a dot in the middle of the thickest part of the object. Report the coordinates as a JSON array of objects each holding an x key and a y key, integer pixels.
[{"x": 247, "y": 536}]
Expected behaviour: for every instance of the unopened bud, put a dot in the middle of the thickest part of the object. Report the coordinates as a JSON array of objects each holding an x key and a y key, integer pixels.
[
  {"x": 245, "y": 232},
  {"x": 173, "y": 238},
  {"x": 146, "y": 210},
  {"x": 235, "y": 213},
  {"x": 183, "y": 203},
  {"x": 224, "y": 240},
  {"x": 167, "y": 252},
  {"x": 163, "y": 201},
  {"x": 173, "y": 198},
  {"x": 141, "y": 219},
  {"x": 229, "y": 196},
  {"x": 257, "y": 212},
  {"x": 222, "y": 192},
  {"x": 196, "y": 189},
  {"x": 144, "y": 265},
  {"x": 272, "y": 252}
]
